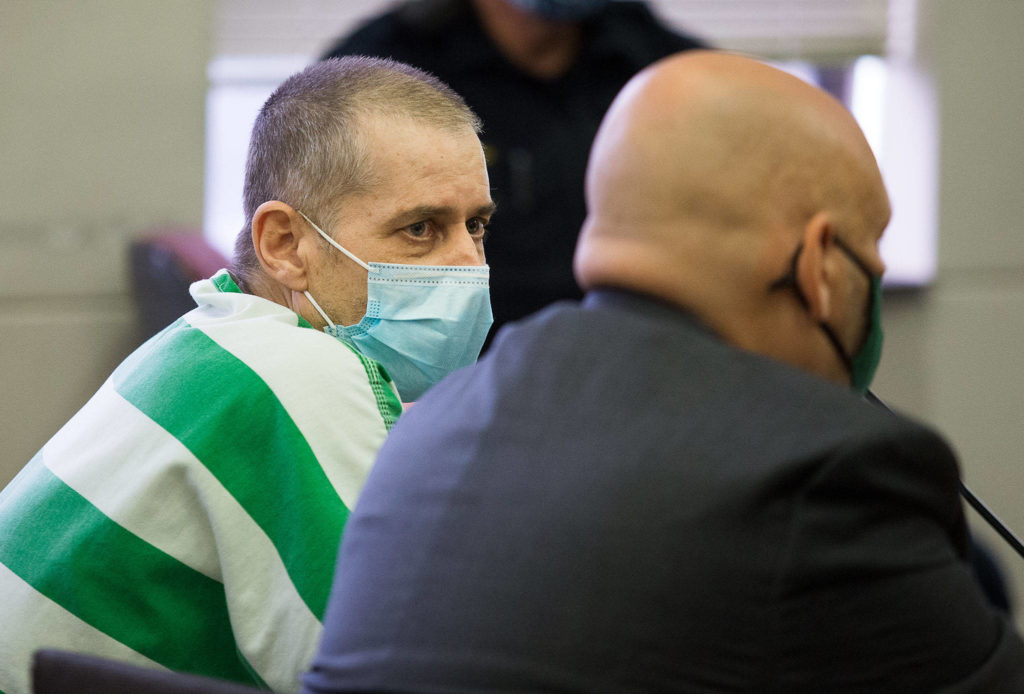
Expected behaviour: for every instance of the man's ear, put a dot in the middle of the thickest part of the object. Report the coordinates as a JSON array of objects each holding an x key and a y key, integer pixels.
[
  {"x": 277, "y": 230},
  {"x": 812, "y": 270}
]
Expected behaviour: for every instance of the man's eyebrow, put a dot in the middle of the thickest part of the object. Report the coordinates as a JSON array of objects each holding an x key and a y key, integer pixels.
[{"x": 426, "y": 211}]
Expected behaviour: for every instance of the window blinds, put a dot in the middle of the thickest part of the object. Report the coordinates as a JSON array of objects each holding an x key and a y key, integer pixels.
[
  {"x": 815, "y": 30},
  {"x": 818, "y": 30}
]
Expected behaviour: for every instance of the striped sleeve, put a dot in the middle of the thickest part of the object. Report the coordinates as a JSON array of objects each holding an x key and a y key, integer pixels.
[{"x": 189, "y": 515}]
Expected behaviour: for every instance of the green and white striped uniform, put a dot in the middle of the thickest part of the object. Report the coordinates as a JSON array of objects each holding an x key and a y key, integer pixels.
[{"x": 189, "y": 515}]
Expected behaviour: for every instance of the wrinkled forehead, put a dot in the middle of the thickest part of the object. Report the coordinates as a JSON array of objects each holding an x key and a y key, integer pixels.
[
  {"x": 390, "y": 136},
  {"x": 386, "y": 121},
  {"x": 411, "y": 162}
]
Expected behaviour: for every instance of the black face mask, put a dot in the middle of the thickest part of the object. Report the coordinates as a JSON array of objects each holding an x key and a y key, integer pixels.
[{"x": 862, "y": 364}]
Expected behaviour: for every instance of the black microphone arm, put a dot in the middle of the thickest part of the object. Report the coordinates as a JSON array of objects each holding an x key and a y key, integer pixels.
[
  {"x": 971, "y": 499},
  {"x": 990, "y": 517}
]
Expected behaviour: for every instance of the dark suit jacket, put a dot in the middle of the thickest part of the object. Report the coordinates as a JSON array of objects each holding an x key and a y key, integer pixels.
[{"x": 613, "y": 500}]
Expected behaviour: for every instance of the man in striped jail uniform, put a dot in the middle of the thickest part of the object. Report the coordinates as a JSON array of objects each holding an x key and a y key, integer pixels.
[{"x": 189, "y": 515}]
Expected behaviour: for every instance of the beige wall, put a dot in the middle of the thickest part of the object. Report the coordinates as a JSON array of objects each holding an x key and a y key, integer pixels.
[
  {"x": 101, "y": 130},
  {"x": 955, "y": 352},
  {"x": 101, "y": 125}
]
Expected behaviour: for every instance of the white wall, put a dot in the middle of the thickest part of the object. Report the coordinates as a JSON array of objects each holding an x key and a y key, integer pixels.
[
  {"x": 101, "y": 130},
  {"x": 953, "y": 353}
]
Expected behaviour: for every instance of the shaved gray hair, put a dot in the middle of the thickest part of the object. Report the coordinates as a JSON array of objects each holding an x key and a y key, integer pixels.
[{"x": 306, "y": 148}]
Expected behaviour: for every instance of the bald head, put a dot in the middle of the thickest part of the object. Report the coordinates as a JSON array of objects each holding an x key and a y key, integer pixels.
[{"x": 704, "y": 174}]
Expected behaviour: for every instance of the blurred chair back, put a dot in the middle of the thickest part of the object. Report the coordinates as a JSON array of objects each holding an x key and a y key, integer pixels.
[
  {"x": 163, "y": 265},
  {"x": 63, "y": 672}
]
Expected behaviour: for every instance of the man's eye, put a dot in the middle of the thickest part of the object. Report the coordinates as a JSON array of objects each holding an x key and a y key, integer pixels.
[
  {"x": 476, "y": 226},
  {"x": 418, "y": 230}
]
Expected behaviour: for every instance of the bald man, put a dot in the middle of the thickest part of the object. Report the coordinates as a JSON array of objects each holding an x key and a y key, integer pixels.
[{"x": 677, "y": 484}]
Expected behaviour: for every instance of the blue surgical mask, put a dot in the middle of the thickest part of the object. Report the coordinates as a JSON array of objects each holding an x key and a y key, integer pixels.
[
  {"x": 562, "y": 10},
  {"x": 422, "y": 321}
]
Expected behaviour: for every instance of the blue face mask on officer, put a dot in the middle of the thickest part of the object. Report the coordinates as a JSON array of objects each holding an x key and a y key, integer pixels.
[
  {"x": 422, "y": 321},
  {"x": 561, "y": 10}
]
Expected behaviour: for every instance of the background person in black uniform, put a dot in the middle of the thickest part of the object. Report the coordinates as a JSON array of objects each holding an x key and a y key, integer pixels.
[
  {"x": 673, "y": 486},
  {"x": 540, "y": 73}
]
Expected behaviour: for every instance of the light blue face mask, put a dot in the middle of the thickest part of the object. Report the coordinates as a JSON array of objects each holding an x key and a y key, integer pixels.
[
  {"x": 562, "y": 10},
  {"x": 422, "y": 321}
]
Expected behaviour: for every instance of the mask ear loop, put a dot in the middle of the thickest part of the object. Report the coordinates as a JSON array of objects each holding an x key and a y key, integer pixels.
[
  {"x": 340, "y": 248},
  {"x": 788, "y": 281},
  {"x": 336, "y": 245},
  {"x": 873, "y": 299},
  {"x": 318, "y": 309}
]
